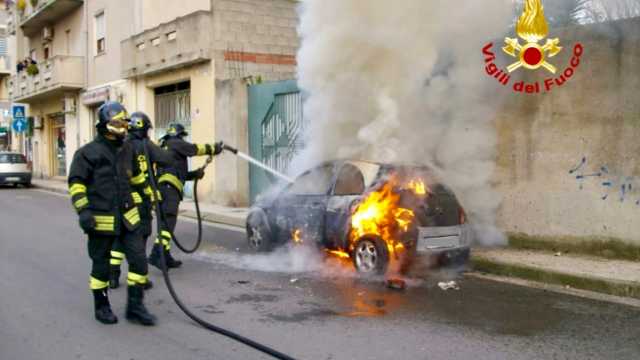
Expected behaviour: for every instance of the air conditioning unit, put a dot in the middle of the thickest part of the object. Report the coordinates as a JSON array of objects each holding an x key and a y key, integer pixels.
[{"x": 47, "y": 33}]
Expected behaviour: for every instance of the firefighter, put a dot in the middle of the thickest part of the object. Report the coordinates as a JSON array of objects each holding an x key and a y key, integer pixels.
[
  {"x": 139, "y": 127},
  {"x": 171, "y": 182},
  {"x": 99, "y": 184}
]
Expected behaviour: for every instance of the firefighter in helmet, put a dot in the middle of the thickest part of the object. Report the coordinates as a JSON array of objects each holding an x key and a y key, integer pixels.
[
  {"x": 144, "y": 195},
  {"x": 171, "y": 182},
  {"x": 101, "y": 193}
]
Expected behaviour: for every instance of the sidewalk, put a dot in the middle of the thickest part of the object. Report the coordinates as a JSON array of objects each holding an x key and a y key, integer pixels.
[
  {"x": 210, "y": 212},
  {"x": 608, "y": 276},
  {"x": 613, "y": 277}
]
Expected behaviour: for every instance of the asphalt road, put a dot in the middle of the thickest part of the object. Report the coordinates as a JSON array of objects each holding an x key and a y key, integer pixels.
[{"x": 305, "y": 309}]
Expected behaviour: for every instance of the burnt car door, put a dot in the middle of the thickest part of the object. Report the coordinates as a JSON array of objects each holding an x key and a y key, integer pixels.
[
  {"x": 302, "y": 206},
  {"x": 352, "y": 181}
]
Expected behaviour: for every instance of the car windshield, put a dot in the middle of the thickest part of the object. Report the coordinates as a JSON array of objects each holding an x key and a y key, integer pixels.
[{"x": 12, "y": 159}]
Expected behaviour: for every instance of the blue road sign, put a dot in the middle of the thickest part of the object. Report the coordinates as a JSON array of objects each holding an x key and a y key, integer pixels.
[{"x": 19, "y": 123}]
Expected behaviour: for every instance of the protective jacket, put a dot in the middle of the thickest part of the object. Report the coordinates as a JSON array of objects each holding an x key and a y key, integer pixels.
[
  {"x": 99, "y": 181},
  {"x": 140, "y": 179},
  {"x": 180, "y": 151}
]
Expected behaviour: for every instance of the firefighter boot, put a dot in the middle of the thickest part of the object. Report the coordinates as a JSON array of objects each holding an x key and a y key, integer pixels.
[
  {"x": 171, "y": 262},
  {"x": 114, "y": 277},
  {"x": 103, "y": 308},
  {"x": 136, "y": 311},
  {"x": 155, "y": 258}
]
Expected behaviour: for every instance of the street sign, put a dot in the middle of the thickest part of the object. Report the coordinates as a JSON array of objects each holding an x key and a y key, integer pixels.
[{"x": 19, "y": 123}]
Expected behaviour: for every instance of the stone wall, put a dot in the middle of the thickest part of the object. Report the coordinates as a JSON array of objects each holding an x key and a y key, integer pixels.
[
  {"x": 596, "y": 116},
  {"x": 255, "y": 38}
]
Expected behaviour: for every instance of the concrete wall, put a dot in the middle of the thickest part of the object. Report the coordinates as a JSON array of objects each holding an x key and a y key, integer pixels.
[
  {"x": 232, "y": 127},
  {"x": 73, "y": 44},
  {"x": 247, "y": 30},
  {"x": 595, "y": 115},
  {"x": 119, "y": 16},
  {"x": 155, "y": 12}
]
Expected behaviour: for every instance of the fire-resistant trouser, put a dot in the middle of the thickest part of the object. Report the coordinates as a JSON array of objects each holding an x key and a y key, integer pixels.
[
  {"x": 170, "y": 203},
  {"x": 134, "y": 250},
  {"x": 146, "y": 221}
]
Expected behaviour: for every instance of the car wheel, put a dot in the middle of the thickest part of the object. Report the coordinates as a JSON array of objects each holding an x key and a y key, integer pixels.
[
  {"x": 370, "y": 256},
  {"x": 259, "y": 232}
]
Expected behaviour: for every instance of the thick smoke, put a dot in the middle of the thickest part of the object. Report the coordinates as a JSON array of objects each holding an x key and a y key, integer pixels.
[{"x": 403, "y": 81}]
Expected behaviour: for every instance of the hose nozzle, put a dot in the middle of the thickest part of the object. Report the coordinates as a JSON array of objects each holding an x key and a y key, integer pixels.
[{"x": 230, "y": 148}]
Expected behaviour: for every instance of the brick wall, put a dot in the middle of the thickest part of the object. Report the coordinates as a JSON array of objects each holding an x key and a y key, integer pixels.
[{"x": 255, "y": 38}]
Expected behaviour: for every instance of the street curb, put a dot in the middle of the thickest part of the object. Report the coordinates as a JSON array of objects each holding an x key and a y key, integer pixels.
[
  {"x": 215, "y": 218},
  {"x": 35, "y": 185},
  {"x": 605, "y": 286}
]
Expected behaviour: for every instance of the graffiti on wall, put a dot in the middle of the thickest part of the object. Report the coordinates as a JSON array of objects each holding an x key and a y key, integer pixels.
[{"x": 613, "y": 186}]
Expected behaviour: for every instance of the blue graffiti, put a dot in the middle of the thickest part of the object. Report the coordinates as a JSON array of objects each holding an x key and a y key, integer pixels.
[{"x": 613, "y": 184}]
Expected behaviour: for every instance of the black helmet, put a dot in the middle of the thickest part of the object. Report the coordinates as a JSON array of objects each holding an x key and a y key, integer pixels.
[
  {"x": 176, "y": 130},
  {"x": 113, "y": 119},
  {"x": 139, "y": 122}
]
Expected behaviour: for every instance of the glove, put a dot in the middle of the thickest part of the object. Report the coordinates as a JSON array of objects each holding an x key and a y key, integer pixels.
[
  {"x": 198, "y": 174},
  {"x": 87, "y": 221},
  {"x": 218, "y": 147}
]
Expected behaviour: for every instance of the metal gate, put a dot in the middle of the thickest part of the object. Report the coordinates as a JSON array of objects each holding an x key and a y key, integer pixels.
[
  {"x": 282, "y": 130},
  {"x": 275, "y": 129}
]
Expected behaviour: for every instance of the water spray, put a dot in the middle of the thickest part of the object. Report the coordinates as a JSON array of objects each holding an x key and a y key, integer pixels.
[{"x": 257, "y": 163}]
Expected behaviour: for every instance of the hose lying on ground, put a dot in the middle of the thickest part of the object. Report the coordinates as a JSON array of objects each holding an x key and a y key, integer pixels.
[{"x": 165, "y": 273}]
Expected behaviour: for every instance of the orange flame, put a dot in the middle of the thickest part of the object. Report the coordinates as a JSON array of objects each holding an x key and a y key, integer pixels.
[
  {"x": 379, "y": 214},
  {"x": 296, "y": 235},
  {"x": 418, "y": 187},
  {"x": 338, "y": 253}
]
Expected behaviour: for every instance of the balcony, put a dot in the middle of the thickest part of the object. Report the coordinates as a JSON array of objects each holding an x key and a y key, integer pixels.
[
  {"x": 182, "y": 42},
  {"x": 11, "y": 21},
  {"x": 45, "y": 13},
  {"x": 57, "y": 75}
]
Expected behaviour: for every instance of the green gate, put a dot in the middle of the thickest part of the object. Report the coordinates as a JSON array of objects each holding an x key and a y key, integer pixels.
[{"x": 275, "y": 129}]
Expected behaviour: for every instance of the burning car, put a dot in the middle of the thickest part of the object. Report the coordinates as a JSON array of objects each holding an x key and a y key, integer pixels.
[{"x": 377, "y": 215}]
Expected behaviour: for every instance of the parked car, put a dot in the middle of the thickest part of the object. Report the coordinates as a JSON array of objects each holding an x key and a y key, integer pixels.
[
  {"x": 320, "y": 203},
  {"x": 14, "y": 169}
]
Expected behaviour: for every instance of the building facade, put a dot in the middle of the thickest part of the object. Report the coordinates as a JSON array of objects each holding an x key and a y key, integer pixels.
[{"x": 163, "y": 57}]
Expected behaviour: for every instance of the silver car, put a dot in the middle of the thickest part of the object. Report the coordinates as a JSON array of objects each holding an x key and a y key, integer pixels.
[
  {"x": 320, "y": 205},
  {"x": 14, "y": 169}
]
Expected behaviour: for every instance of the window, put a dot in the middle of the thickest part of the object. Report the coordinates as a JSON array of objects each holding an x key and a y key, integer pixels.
[
  {"x": 141, "y": 46},
  {"x": 47, "y": 52},
  {"x": 12, "y": 159},
  {"x": 101, "y": 45},
  {"x": 155, "y": 41},
  {"x": 314, "y": 182},
  {"x": 32, "y": 54},
  {"x": 350, "y": 181},
  {"x": 171, "y": 36}
]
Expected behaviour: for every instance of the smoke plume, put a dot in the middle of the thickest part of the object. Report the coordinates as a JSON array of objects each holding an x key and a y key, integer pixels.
[{"x": 403, "y": 81}]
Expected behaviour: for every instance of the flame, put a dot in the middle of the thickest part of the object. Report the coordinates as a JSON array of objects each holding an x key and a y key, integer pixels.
[
  {"x": 338, "y": 253},
  {"x": 418, "y": 187},
  {"x": 532, "y": 25},
  {"x": 296, "y": 235},
  {"x": 379, "y": 214}
]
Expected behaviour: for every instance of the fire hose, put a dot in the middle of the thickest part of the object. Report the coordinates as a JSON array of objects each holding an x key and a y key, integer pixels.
[
  {"x": 167, "y": 279},
  {"x": 199, "y": 217}
]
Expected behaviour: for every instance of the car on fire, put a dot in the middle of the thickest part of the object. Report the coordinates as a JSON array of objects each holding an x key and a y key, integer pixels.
[{"x": 375, "y": 214}]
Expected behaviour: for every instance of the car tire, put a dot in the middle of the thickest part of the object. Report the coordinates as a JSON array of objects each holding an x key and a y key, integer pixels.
[
  {"x": 259, "y": 236},
  {"x": 370, "y": 256}
]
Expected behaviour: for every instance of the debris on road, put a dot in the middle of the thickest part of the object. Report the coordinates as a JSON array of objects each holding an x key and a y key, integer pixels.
[
  {"x": 396, "y": 284},
  {"x": 448, "y": 285},
  {"x": 558, "y": 254},
  {"x": 293, "y": 280}
]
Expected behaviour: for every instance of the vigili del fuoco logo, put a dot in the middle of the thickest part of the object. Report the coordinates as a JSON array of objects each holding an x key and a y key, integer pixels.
[{"x": 532, "y": 27}]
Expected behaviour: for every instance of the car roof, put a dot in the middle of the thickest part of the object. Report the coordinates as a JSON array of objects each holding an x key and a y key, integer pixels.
[{"x": 382, "y": 164}]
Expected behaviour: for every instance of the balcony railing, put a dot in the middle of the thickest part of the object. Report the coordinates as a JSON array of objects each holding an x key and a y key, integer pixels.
[
  {"x": 56, "y": 75},
  {"x": 11, "y": 21},
  {"x": 46, "y": 12},
  {"x": 184, "y": 41}
]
